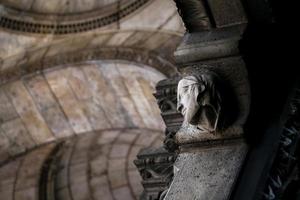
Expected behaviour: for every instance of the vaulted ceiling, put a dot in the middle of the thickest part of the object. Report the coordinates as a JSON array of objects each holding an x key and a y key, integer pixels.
[
  {"x": 31, "y": 40},
  {"x": 42, "y": 65},
  {"x": 82, "y": 72}
]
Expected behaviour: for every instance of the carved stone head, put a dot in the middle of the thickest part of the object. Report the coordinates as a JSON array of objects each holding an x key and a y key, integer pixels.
[{"x": 199, "y": 101}]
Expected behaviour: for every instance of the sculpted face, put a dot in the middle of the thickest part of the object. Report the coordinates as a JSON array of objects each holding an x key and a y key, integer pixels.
[
  {"x": 199, "y": 102},
  {"x": 188, "y": 90}
]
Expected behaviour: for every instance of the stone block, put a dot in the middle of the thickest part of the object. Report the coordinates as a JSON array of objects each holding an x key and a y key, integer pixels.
[
  {"x": 100, "y": 188},
  {"x": 7, "y": 110},
  {"x": 46, "y": 103},
  {"x": 227, "y": 12},
  {"x": 71, "y": 107},
  {"x": 78, "y": 83},
  {"x": 18, "y": 136},
  {"x": 117, "y": 178},
  {"x": 206, "y": 173},
  {"x": 57, "y": 122},
  {"x": 107, "y": 137},
  {"x": 119, "y": 150},
  {"x": 40, "y": 91},
  {"x": 29, "y": 113},
  {"x": 80, "y": 190},
  {"x": 122, "y": 193},
  {"x": 135, "y": 181},
  {"x": 117, "y": 164},
  {"x": 118, "y": 38},
  {"x": 63, "y": 194},
  {"x": 146, "y": 139},
  {"x": 126, "y": 137},
  {"x": 98, "y": 166},
  {"x": 96, "y": 115},
  {"x": 26, "y": 194},
  {"x": 104, "y": 96}
]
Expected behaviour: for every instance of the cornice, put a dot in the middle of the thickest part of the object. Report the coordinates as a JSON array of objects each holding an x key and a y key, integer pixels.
[
  {"x": 142, "y": 56},
  {"x": 28, "y": 22}
]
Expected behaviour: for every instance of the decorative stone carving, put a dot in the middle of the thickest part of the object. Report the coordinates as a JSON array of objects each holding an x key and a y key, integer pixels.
[
  {"x": 156, "y": 169},
  {"x": 166, "y": 95},
  {"x": 199, "y": 101},
  {"x": 106, "y": 53},
  {"x": 220, "y": 103},
  {"x": 33, "y": 23}
]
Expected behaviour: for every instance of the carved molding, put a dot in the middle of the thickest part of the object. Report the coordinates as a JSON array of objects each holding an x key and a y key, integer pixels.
[
  {"x": 166, "y": 95},
  {"x": 163, "y": 65},
  {"x": 156, "y": 169},
  {"x": 30, "y": 23}
]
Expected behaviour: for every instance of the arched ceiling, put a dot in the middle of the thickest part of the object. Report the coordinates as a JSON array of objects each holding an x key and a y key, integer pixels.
[
  {"x": 97, "y": 166},
  {"x": 72, "y": 100},
  {"x": 120, "y": 15},
  {"x": 63, "y": 7},
  {"x": 152, "y": 32},
  {"x": 148, "y": 47},
  {"x": 55, "y": 68}
]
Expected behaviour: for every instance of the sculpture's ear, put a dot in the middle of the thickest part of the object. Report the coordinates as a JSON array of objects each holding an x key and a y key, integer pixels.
[{"x": 198, "y": 92}]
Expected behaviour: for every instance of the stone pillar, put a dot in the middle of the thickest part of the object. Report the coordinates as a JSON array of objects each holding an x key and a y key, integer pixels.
[{"x": 213, "y": 96}]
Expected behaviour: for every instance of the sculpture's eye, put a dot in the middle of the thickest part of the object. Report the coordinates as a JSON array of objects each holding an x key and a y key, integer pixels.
[
  {"x": 185, "y": 89},
  {"x": 179, "y": 107}
]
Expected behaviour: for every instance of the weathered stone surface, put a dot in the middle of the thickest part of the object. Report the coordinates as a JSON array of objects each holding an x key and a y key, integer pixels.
[
  {"x": 100, "y": 188},
  {"x": 28, "y": 112},
  {"x": 80, "y": 99},
  {"x": 67, "y": 100},
  {"x": 208, "y": 45},
  {"x": 18, "y": 136},
  {"x": 7, "y": 111},
  {"x": 4, "y": 146},
  {"x": 206, "y": 173},
  {"x": 104, "y": 96},
  {"x": 57, "y": 122},
  {"x": 40, "y": 91},
  {"x": 190, "y": 134},
  {"x": 119, "y": 150},
  {"x": 28, "y": 174},
  {"x": 46, "y": 103},
  {"x": 85, "y": 168},
  {"x": 122, "y": 193},
  {"x": 227, "y": 13}
]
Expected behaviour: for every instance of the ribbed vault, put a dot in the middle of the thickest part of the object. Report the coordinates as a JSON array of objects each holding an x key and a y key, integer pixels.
[
  {"x": 94, "y": 166},
  {"x": 71, "y": 100},
  {"x": 76, "y": 94}
]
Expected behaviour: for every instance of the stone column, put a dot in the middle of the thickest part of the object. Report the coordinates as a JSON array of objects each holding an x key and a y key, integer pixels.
[{"x": 213, "y": 96}]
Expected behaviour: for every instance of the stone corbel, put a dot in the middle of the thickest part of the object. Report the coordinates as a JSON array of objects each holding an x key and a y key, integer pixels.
[{"x": 213, "y": 105}]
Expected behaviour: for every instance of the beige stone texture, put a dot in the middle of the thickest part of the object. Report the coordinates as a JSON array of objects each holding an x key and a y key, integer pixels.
[{"x": 28, "y": 112}]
